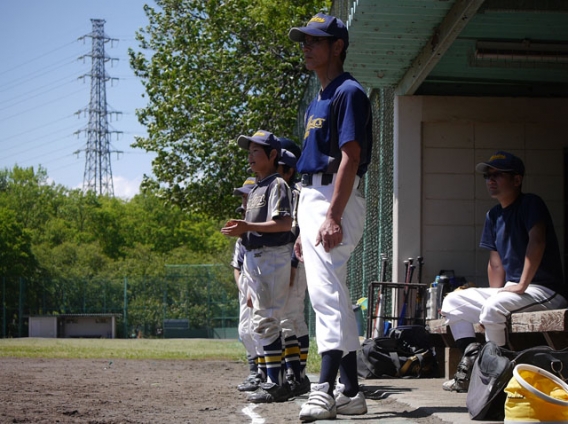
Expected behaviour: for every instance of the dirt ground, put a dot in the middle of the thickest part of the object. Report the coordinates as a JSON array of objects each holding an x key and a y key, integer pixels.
[{"x": 158, "y": 392}]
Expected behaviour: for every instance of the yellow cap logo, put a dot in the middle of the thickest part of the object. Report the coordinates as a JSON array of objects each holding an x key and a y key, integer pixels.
[
  {"x": 496, "y": 157},
  {"x": 317, "y": 19}
]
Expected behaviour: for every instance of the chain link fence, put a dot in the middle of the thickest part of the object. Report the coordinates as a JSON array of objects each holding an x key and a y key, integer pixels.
[{"x": 204, "y": 297}]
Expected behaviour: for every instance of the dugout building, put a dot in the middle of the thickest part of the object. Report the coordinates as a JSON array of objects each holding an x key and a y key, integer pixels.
[
  {"x": 450, "y": 83},
  {"x": 73, "y": 326}
]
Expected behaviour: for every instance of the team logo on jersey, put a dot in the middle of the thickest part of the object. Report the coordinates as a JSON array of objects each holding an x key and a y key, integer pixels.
[
  {"x": 313, "y": 123},
  {"x": 256, "y": 202}
]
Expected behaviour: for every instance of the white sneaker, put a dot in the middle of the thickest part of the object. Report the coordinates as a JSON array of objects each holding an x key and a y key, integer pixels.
[
  {"x": 320, "y": 405},
  {"x": 346, "y": 405}
]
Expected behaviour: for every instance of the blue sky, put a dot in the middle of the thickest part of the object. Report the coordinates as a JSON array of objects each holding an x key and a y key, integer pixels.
[{"x": 41, "y": 89}]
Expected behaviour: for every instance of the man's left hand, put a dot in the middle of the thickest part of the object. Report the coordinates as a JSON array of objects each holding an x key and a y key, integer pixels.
[{"x": 514, "y": 288}]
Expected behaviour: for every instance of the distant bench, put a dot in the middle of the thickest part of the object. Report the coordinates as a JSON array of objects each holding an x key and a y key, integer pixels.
[{"x": 526, "y": 329}]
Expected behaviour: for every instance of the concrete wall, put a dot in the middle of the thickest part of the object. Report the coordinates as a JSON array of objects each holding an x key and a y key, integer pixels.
[
  {"x": 43, "y": 327},
  {"x": 440, "y": 201}
]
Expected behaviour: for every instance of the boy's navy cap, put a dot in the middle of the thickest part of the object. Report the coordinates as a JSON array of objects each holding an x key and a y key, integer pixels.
[
  {"x": 321, "y": 25},
  {"x": 289, "y": 145},
  {"x": 288, "y": 158},
  {"x": 502, "y": 161},
  {"x": 246, "y": 187},
  {"x": 265, "y": 138}
]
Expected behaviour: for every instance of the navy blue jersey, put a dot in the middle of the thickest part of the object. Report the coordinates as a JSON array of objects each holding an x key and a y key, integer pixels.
[
  {"x": 339, "y": 114},
  {"x": 269, "y": 199},
  {"x": 507, "y": 232}
]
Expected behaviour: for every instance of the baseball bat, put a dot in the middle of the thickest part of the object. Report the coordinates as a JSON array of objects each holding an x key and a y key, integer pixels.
[
  {"x": 378, "y": 328},
  {"x": 408, "y": 279},
  {"x": 419, "y": 291}
]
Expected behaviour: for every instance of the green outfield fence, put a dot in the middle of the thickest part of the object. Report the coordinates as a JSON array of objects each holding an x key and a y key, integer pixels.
[{"x": 205, "y": 296}]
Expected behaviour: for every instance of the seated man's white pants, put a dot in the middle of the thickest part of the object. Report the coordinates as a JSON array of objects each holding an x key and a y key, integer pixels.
[{"x": 492, "y": 307}]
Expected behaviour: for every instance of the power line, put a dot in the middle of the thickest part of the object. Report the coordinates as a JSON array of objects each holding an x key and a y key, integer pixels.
[
  {"x": 41, "y": 105},
  {"x": 35, "y": 139},
  {"x": 36, "y": 58},
  {"x": 35, "y": 74},
  {"x": 29, "y": 97}
]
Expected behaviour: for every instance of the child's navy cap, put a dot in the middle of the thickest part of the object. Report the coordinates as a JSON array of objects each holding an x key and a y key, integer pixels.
[
  {"x": 287, "y": 158},
  {"x": 265, "y": 138},
  {"x": 246, "y": 187}
]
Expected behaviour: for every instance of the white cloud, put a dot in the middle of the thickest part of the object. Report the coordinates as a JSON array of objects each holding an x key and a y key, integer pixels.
[{"x": 124, "y": 188}]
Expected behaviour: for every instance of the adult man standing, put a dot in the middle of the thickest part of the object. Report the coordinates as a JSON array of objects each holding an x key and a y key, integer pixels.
[
  {"x": 336, "y": 151},
  {"x": 524, "y": 269}
]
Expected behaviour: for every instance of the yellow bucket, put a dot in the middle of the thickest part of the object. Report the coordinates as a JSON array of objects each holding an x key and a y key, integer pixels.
[{"x": 535, "y": 396}]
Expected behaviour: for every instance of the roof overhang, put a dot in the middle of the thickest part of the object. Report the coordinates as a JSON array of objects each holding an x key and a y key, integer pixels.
[{"x": 420, "y": 45}]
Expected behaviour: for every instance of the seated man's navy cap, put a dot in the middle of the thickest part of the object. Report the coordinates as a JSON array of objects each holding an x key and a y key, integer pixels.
[
  {"x": 321, "y": 25},
  {"x": 265, "y": 138},
  {"x": 502, "y": 161},
  {"x": 288, "y": 158},
  {"x": 246, "y": 187}
]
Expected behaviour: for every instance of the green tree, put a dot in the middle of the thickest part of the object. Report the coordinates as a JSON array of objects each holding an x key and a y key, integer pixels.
[
  {"x": 65, "y": 251},
  {"x": 16, "y": 257},
  {"x": 214, "y": 70}
]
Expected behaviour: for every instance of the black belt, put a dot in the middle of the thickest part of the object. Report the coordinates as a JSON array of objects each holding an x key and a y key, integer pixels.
[{"x": 326, "y": 179}]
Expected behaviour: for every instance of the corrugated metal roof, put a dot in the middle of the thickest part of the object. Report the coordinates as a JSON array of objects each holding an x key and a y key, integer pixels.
[
  {"x": 425, "y": 46},
  {"x": 386, "y": 35}
]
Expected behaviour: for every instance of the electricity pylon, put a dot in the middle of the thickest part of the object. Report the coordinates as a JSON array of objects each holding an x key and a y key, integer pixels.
[{"x": 98, "y": 170}]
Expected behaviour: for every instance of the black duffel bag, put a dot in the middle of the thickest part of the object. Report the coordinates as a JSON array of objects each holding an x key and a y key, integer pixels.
[
  {"x": 406, "y": 352},
  {"x": 494, "y": 368}
]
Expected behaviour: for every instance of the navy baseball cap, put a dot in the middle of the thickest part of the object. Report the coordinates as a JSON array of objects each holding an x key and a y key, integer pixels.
[
  {"x": 321, "y": 25},
  {"x": 289, "y": 145},
  {"x": 502, "y": 161},
  {"x": 246, "y": 187},
  {"x": 287, "y": 158},
  {"x": 265, "y": 138}
]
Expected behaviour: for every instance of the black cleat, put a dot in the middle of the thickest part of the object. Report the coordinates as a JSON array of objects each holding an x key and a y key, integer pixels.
[
  {"x": 271, "y": 392},
  {"x": 250, "y": 384}
]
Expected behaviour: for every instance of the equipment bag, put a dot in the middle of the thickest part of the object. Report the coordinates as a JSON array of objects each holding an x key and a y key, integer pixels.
[
  {"x": 405, "y": 353},
  {"x": 493, "y": 370}
]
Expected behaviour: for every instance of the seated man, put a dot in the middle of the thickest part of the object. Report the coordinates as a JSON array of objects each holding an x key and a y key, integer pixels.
[{"x": 524, "y": 270}]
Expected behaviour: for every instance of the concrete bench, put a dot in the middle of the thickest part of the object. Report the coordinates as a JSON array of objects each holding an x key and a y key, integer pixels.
[{"x": 526, "y": 329}]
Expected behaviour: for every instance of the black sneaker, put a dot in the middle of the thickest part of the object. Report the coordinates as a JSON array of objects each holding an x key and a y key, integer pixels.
[
  {"x": 271, "y": 392},
  {"x": 460, "y": 382},
  {"x": 298, "y": 388},
  {"x": 250, "y": 384}
]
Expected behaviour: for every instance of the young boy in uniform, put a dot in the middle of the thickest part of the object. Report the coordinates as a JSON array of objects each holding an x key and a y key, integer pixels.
[
  {"x": 294, "y": 327},
  {"x": 265, "y": 233},
  {"x": 257, "y": 373}
]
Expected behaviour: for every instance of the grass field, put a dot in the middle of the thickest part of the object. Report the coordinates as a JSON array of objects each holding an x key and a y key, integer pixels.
[{"x": 189, "y": 349}]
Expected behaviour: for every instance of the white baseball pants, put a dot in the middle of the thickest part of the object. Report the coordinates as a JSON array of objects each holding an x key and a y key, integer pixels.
[
  {"x": 268, "y": 279},
  {"x": 492, "y": 308},
  {"x": 294, "y": 321},
  {"x": 326, "y": 272},
  {"x": 245, "y": 320}
]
